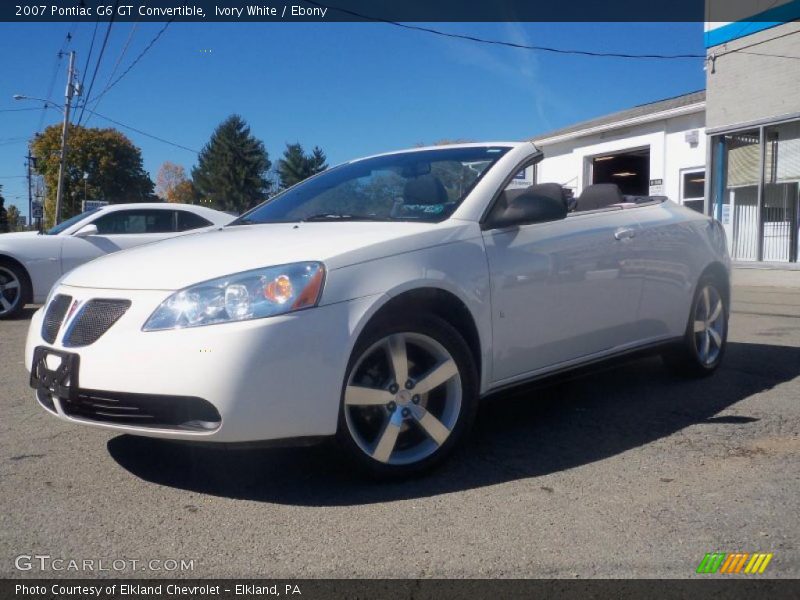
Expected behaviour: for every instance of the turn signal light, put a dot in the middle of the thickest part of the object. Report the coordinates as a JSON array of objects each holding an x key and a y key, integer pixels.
[{"x": 279, "y": 290}]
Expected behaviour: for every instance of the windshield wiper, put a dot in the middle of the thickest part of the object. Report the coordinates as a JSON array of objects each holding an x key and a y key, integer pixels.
[
  {"x": 338, "y": 217},
  {"x": 243, "y": 221}
]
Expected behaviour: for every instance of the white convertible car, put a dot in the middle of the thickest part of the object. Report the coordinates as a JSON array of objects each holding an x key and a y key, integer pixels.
[
  {"x": 377, "y": 302},
  {"x": 30, "y": 263}
]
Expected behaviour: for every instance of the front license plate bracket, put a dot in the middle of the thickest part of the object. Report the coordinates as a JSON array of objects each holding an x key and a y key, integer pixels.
[{"x": 61, "y": 381}]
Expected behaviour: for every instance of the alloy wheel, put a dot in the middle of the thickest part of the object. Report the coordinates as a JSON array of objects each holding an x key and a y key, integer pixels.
[
  {"x": 10, "y": 290},
  {"x": 403, "y": 398},
  {"x": 709, "y": 325}
]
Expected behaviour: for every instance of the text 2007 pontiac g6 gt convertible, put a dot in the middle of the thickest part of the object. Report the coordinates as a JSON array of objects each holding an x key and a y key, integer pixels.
[{"x": 377, "y": 302}]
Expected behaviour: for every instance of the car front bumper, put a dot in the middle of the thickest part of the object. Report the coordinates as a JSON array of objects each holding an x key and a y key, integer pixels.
[{"x": 273, "y": 378}]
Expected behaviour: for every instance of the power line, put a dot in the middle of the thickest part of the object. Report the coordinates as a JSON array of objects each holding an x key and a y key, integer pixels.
[
  {"x": 13, "y": 142},
  {"x": 17, "y": 109},
  {"x": 480, "y": 40},
  {"x": 114, "y": 69},
  {"x": 88, "y": 57},
  {"x": 771, "y": 55},
  {"x": 56, "y": 68},
  {"x": 144, "y": 133},
  {"x": 139, "y": 131},
  {"x": 97, "y": 64},
  {"x": 133, "y": 64},
  {"x": 758, "y": 43}
]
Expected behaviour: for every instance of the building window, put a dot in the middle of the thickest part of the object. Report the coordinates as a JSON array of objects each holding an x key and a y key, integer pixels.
[
  {"x": 755, "y": 191},
  {"x": 693, "y": 185}
]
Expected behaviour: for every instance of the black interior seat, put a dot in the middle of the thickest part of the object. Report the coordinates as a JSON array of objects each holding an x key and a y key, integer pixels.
[
  {"x": 424, "y": 190},
  {"x": 599, "y": 195}
]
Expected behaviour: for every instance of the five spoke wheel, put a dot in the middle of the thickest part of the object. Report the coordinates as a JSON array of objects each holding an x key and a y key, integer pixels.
[
  {"x": 709, "y": 325},
  {"x": 403, "y": 398},
  {"x": 700, "y": 352},
  {"x": 10, "y": 291}
]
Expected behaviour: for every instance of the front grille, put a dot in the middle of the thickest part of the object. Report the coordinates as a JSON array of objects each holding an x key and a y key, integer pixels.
[
  {"x": 144, "y": 410},
  {"x": 94, "y": 319},
  {"x": 54, "y": 317}
]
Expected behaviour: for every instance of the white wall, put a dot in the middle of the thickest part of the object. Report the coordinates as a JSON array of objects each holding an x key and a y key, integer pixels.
[{"x": 568, "y": 162}]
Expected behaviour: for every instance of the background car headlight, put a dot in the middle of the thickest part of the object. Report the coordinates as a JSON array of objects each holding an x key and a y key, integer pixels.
[{"x": 242, "y": 296}]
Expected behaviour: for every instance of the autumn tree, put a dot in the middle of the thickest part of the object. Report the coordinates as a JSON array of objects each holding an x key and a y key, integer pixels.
[
  {"x": 12, "y": 215},
  {"x": 3, "y": 213},
  {"x": 231, "y": 170},
  {"x": 296, "y": 165},
  {"x": 113, "y": 165},
  {"x": 173, "y": 185}
]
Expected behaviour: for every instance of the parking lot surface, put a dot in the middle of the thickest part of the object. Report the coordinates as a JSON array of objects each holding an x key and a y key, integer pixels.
[{"x": 627, "y": 472}]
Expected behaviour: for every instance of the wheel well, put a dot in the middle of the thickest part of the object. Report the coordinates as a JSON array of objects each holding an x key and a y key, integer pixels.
[
  {"x": 443, "y": 304},
  {"x": 4, "y": 258},
  {"x": 720, "y": 274}
]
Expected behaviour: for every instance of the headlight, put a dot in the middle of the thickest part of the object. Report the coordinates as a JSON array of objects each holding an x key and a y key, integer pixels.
[{"x": 242, "y": 296}]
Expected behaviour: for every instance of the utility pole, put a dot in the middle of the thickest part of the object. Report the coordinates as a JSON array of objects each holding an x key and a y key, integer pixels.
[
  {"x": 30, "y": 192},
  {"x": 68, "y": 94}
]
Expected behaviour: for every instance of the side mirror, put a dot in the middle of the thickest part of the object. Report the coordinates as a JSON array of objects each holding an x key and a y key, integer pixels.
[
  {"x": 528, "y": 207},
  {"x": 86, "y": 231}
]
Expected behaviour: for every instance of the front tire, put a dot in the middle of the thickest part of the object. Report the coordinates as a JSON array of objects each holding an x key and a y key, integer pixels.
[
  {"x": 409, "y": 396},
  {"x": 703, "y": 346},
  {"x": 15, "y": 290}
]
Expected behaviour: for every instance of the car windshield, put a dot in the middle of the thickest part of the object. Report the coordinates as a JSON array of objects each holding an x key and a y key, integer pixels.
[
  {"x": 70, "y": 222},
  {"x": 423, "y": 185}
]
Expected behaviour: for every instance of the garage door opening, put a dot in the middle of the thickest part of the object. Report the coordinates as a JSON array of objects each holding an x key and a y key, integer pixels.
[{"x": 629, "y": 170}]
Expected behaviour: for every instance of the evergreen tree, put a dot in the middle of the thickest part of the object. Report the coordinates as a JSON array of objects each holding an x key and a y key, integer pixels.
[
  {"x": 231, "y": 168},
  {"x": 293, "y": 167},
  {"x": 296, "y": 165},
  {"x": 318, "y": 160}
]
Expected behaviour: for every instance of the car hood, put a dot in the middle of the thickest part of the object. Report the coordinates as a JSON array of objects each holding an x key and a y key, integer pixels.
[
  {"x": 180, "y": 262},
  {"x": 17, "y": 235}
]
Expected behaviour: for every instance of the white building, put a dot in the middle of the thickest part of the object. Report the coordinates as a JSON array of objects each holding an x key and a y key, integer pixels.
[{"x": 653, "y": 149}]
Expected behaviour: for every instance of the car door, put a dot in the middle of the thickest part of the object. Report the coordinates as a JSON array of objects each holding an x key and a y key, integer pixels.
[
  {"x": 118, "y": 230},
  {"x": 561, "y": 291}
]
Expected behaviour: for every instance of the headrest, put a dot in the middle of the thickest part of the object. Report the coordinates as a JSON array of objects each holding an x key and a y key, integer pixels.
[
  {"x": 548, "y": 190},
  {"x": 599, "y": 195},
  {"x": 425, "y": 189}
]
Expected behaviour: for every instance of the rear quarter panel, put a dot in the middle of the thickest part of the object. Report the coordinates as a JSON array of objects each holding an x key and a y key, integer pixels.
[{"x": 674, "y": 246}]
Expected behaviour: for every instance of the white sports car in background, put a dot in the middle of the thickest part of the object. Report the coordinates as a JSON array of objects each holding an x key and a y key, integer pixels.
[
  {"x": 30, "y": 263},
  {"x": 377, "y": 302}
]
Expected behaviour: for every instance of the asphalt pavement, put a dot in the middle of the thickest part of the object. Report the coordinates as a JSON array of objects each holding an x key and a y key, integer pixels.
[{"x": 627, "y": 472}]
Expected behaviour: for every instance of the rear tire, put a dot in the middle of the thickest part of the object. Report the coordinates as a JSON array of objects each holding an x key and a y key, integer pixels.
[
  {"x": 700, "y": 352},
  {"x": 15, "y": 289},
  {"x": 395, "y": 429}
]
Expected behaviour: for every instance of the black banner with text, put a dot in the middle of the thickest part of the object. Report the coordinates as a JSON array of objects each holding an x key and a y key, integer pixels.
[
  {"x": 395, "y": 589},
  {"x": 399, "y": 10}
]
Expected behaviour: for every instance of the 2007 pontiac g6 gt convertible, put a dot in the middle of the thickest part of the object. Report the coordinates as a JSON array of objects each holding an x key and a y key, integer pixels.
[{"x": 377, "y": 302}]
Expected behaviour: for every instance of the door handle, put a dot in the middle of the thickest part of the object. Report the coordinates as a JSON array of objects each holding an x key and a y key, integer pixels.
[{"x": 624, "y": 233}]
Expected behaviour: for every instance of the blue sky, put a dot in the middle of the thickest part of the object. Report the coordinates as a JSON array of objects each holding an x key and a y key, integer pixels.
[{"x": 351, "y": 88}]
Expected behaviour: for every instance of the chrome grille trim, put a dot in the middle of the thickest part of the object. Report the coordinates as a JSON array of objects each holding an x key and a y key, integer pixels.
[
  {"x": 94, "y": 319},
  {"x": 54, "y": 317}
]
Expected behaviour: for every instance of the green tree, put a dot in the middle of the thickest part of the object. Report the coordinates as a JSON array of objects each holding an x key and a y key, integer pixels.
[
  {"x": 296, "y": 165},
  {"x": 3, "y": 213},
  {"x": 112, "y": 162},
  {"x": 318, "y": 160},
  {"x": 12, "y": 215},
  {"x": 231, "y": 169}
]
